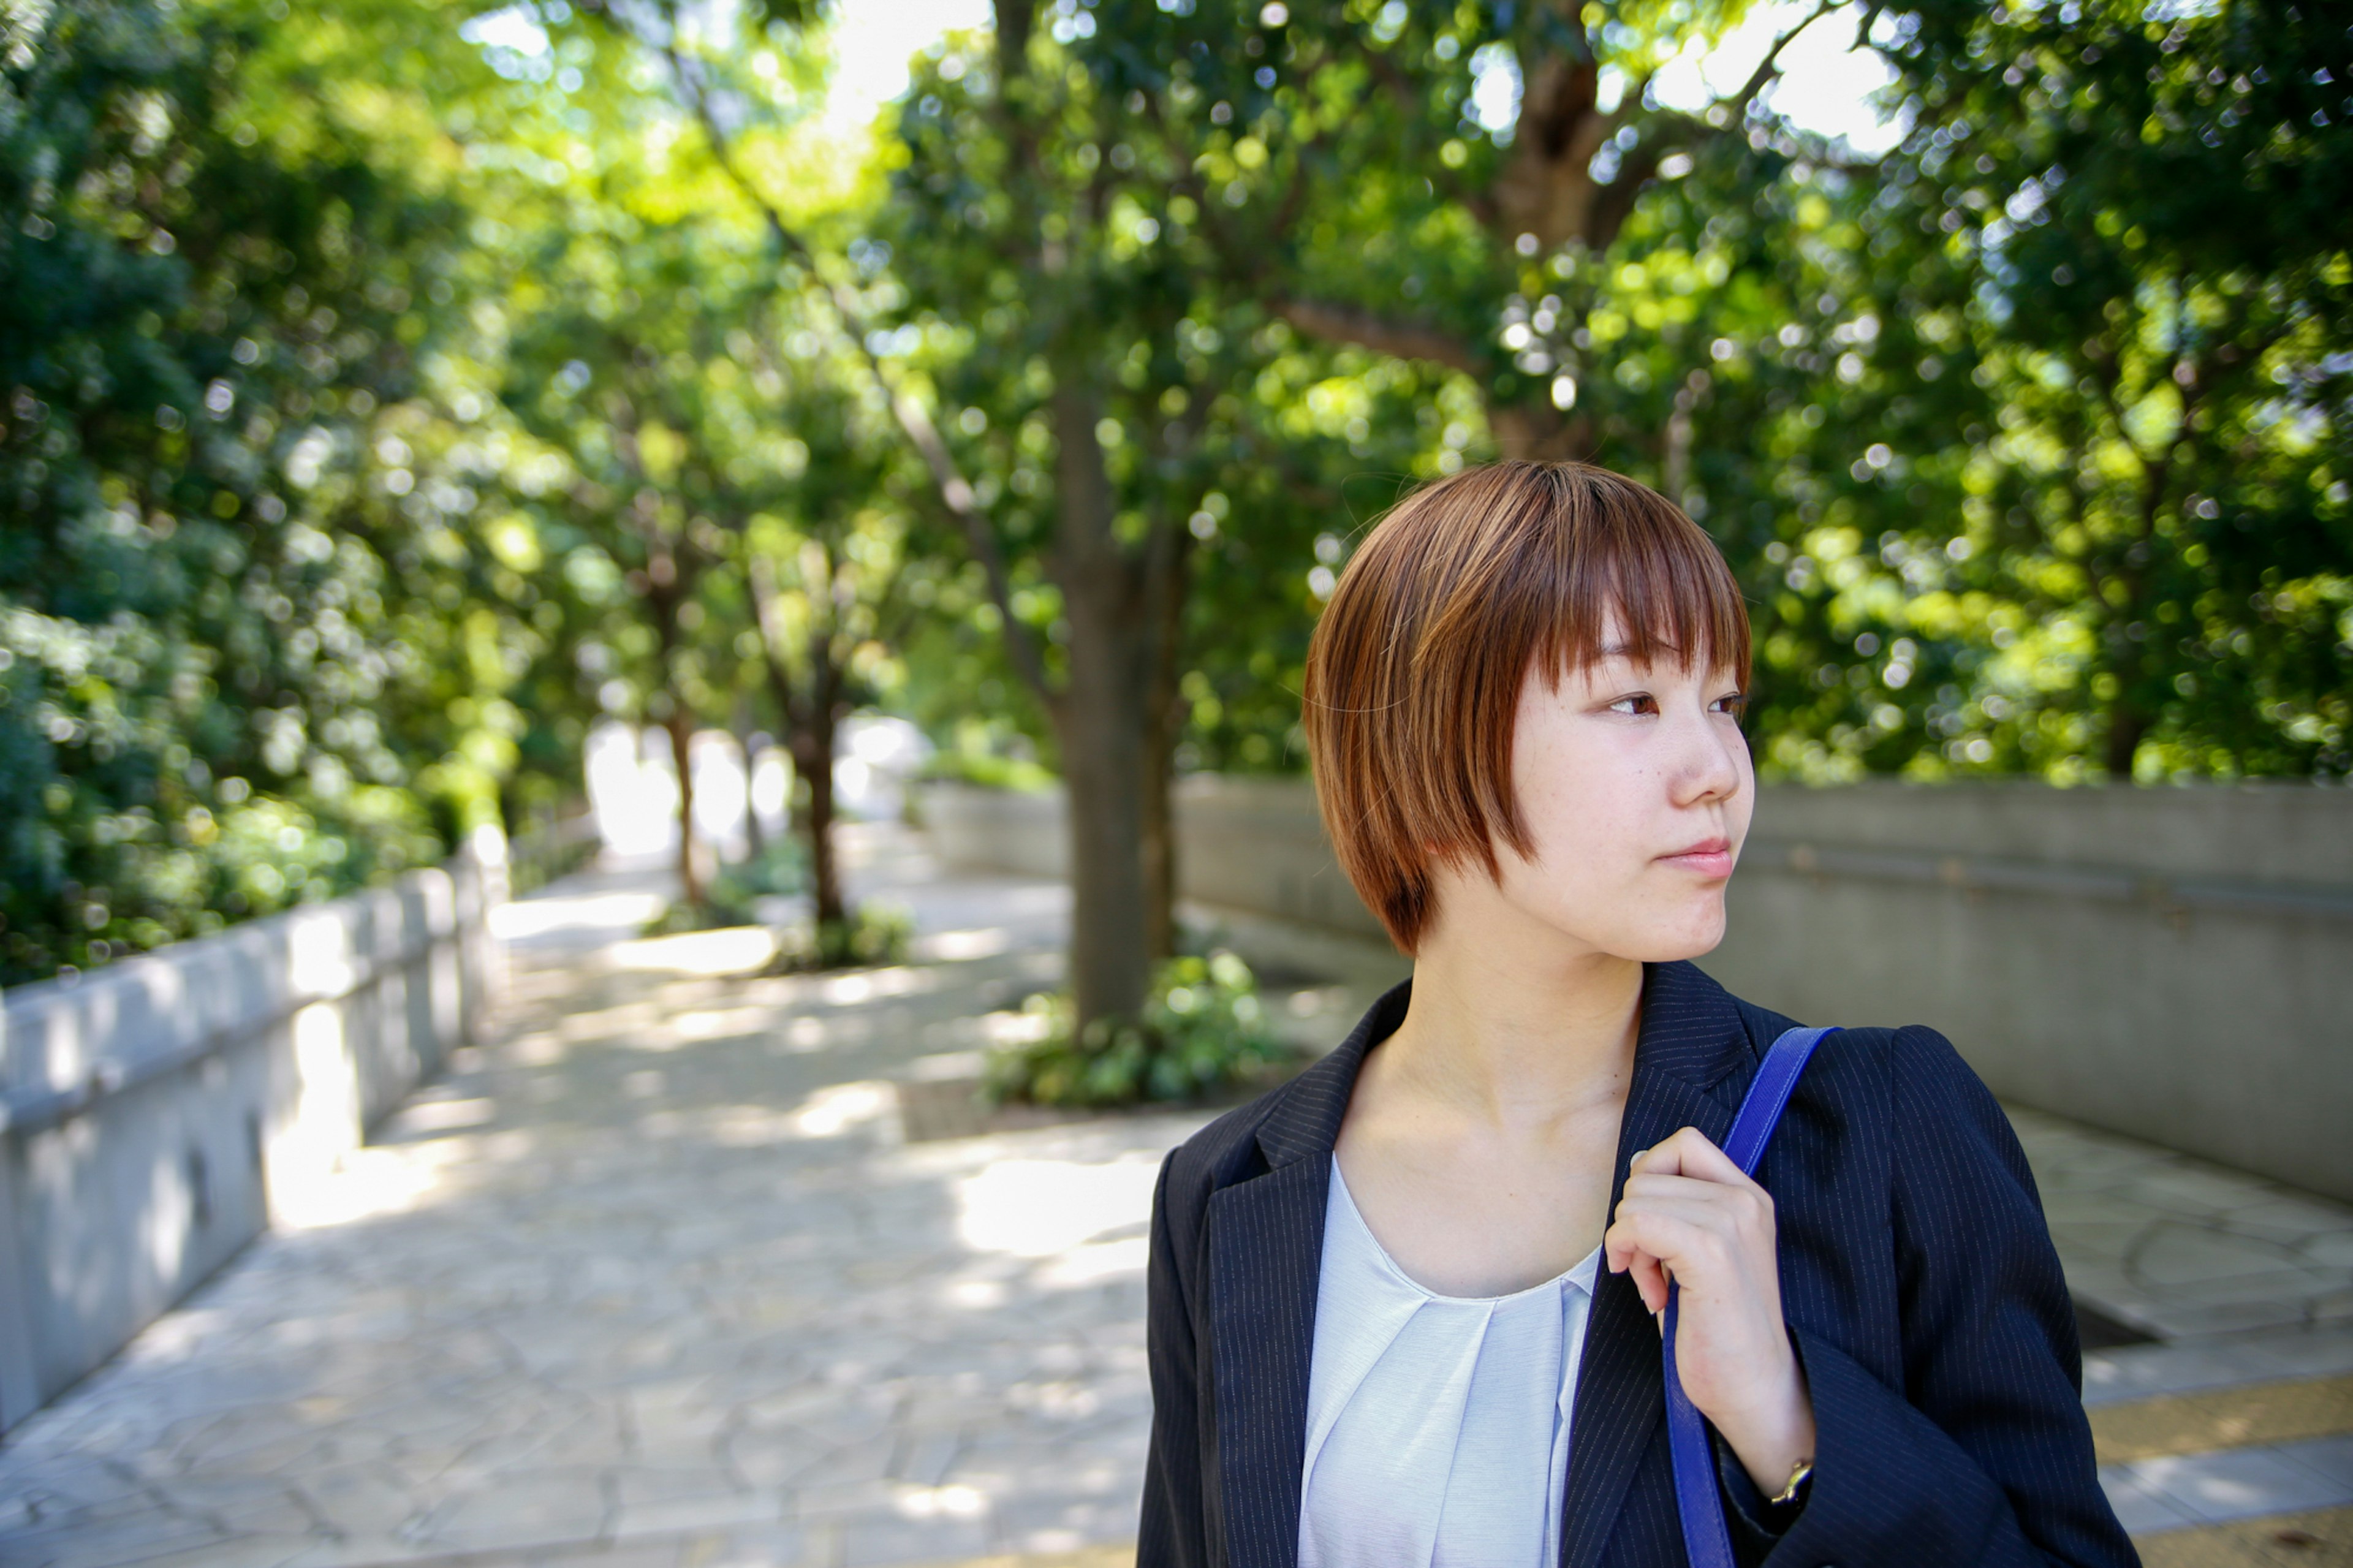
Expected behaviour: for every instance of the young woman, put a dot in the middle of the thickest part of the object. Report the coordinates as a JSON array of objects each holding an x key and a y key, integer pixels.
[{"x": 1402, "y": 1307}]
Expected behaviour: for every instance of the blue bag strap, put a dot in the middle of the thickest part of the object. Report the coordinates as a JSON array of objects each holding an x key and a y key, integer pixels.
[{"x": 1707, "y": 1542}]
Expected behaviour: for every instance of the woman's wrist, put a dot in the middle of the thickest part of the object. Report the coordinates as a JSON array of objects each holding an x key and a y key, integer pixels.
[{"x": 1776, "y": 1434}]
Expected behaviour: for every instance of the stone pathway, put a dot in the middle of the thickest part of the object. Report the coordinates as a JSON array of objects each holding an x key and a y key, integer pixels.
[
  {"x": 2179, "y": 1249},
  {"x": 2230, "y": 1450},
  {"x": 657, "y": 1280},
  {"x": 657, "y": 1275}
]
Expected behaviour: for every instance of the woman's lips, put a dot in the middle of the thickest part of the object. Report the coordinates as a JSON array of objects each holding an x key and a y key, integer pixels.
[{"x": 1709, "y": 858}]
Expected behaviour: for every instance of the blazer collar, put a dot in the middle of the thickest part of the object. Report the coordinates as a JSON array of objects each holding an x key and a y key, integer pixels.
[
  {"x": 1266, "y": 1245},
  {"x": 1306, "y": 1119}
]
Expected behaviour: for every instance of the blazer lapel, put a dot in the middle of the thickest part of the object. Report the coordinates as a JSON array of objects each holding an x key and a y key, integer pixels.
[
  {"x": 1692, "y": 1043},
  {"x": 1266, "y": 1258},
  {"x": 1266, "y": 1241}
]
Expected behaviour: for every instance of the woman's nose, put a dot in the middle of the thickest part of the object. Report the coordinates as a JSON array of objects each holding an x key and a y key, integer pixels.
[{"x": 1706, "y": 769}]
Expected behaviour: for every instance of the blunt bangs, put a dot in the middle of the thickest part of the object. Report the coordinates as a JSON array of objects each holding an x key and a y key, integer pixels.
[{"x": 1467, "y": 588}]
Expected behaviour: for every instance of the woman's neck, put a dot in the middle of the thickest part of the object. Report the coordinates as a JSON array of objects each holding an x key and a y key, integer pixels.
[{"x": 1512, "y": 1024}]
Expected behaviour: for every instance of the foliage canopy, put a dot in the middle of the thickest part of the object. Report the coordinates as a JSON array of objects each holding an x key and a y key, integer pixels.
[{"x": 392, "y": 391}]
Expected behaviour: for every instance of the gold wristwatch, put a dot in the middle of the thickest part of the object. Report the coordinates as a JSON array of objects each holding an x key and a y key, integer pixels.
[{"x": 1793, "y": 1490}]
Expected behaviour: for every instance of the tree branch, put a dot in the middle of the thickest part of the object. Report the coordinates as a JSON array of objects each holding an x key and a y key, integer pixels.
[
  {"x": 1771, "y": 66},
  {"x": 1404, "y": 340}
]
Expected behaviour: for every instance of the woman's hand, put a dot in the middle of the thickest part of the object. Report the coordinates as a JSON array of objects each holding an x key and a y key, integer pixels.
[{"x": 1691, "y": 1216}]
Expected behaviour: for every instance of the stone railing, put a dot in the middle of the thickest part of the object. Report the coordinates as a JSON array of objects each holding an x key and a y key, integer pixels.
[
  {"x": 2173, "y": 963},
  {"x": 154, "y": 1113}
]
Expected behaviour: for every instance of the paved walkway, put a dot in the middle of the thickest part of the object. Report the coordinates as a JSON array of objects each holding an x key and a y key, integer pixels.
[
  {"x": 656, "y": 1276},
  {"x": 657, "y": 1279}
]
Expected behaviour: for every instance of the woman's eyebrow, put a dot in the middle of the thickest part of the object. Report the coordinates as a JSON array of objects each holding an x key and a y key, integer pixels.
[{"x": 1626, "y": 651}]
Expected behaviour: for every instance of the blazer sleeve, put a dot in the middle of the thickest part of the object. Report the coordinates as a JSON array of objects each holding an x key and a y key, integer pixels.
[
  {"x": 1984, "y": 1457},
  {"x": 1173, "y": 1532}
]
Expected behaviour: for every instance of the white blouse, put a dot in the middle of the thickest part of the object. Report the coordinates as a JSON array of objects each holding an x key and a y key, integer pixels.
[{"x": 1436, "y": 1426}]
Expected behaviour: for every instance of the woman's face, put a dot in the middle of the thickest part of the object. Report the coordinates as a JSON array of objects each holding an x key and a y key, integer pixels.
[{"x": 1635, "y": 783}]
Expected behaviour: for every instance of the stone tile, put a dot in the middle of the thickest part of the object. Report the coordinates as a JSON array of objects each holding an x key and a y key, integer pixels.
[
  {"x": 701, "y": 1514},
  {"x": 362, "y": 1551},
  {"x": 2145, "y": 1372},
  {"x": 2185, "y": 1321},
  {"x": 112, "y": 1544},
  {"x": 2292, "y": 1218},
  {"x": 2321, "y": 1537},
  {"x": 548, "y": 1508},
  {"x": 2199, "y": 1190},
  {"x": 2330, "y": 1458},
  {"x": 896, "y": 1539},
  {"x": 2178, "y": 1257},
  {"x": 2138, "y": 1509},
  {"x": 360, "y": 1500},
  {"x": 2067, "y": 1203},
  {"x": 1050, "y": 1524},
  {"x": 2240, "y": 1483},
  {"x": 242, "y": 1551},
  {"x": 762, "y": 1546}
]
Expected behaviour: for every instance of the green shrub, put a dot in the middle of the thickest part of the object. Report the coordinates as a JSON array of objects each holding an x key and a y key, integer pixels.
[
  {"x": 717, "y": 911},
  {"x": 1203, "y": 1028},
  {"x": 731, "y": 898},
  {"x": 873, "y": 934},
  {"x": 987, "y": 770},
  {"x": 780, "y": 867}
]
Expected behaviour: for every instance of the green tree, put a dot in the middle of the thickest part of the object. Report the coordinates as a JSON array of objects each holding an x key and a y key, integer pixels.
[
  {"x": 827, "y": 568},
  {"x": 222, "y": 299},
  {"x": 2025, "y": 434},
  {"x": 2149, "y": 206},
  {"x": 1082, "y": 537}
]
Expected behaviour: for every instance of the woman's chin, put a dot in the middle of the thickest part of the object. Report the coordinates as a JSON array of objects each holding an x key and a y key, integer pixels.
[{"x": 1691, "y": 933}]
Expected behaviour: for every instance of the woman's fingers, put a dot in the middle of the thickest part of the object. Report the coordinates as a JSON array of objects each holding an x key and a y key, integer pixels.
[
  {"x": 1687, "y": 1210},
  {"x": 1689, "y": 1215},
  {"x": 1687, "y": 1153},
  {"x": 1649, "y": 1276},
  {"x": 1725, "y": 1212},
  {"x": 1657, "y": 1245}
]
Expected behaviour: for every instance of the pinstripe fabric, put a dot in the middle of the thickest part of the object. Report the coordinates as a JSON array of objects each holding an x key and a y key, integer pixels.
[{"x": 1918, "y": 1279}]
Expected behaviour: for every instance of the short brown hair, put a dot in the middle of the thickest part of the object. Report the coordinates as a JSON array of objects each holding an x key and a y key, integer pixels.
[{"x": 1415, "y": 670}]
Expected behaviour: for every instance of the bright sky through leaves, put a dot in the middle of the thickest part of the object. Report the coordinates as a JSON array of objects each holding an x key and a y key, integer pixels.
[{"x": 872, "y": 41}]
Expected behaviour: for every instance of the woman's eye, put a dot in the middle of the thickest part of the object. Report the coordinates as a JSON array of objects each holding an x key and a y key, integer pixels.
[
  {"x": 1642, "y": 702},
  {"x": 1735, "y": 704}
]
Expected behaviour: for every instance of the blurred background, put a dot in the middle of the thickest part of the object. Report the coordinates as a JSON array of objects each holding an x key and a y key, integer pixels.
[{"x": 648, "y": 720}]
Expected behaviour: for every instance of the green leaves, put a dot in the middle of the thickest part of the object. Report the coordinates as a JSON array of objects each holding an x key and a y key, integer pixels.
[
  {"x": 1202, "y": 1030},
  {"x": 231, "y": 580},
  {"x": 384, "y": 400}
]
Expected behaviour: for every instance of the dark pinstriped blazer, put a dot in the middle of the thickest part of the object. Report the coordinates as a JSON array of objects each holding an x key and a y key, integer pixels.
[{"x": 1918, "y": 1279}]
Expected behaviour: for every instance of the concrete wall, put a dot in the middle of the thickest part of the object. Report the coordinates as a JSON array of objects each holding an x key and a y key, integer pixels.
[
  {"x": 155, "y": 1113},
  {"x": 2176, "y": 964},
  {"x": 2172, "y": 963}
]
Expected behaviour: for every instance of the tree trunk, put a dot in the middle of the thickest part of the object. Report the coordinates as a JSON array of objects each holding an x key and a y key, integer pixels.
[
  {"x": 1100, "y": 722},
  {"x": 2126, "y": 727},
  {"x": 680, "y": 724},
  {"x": 1101, "y": 719},
  {"x": 1536, "y": 432},
  {"x": 815, "y": 759},
  {"x": 809, "y": 730},
  {"x": 1157, "y": 823},
  {"x": 754, "y": 840},
  {"x": 1163, "y": 717},
  {"x": 664, "y": 592}
]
